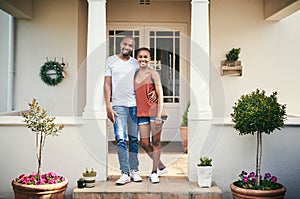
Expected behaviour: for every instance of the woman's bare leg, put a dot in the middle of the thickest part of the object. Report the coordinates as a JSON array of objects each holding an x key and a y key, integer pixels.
[
  {"x": 156, "y": 146},
  {"x": 145, "y": 142}
]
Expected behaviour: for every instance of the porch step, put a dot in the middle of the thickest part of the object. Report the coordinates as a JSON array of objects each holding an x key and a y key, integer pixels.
[{"x": 170, "y": 187}]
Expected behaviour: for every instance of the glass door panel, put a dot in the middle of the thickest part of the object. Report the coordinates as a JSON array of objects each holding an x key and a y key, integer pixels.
[{"x": 164, "y": 47}]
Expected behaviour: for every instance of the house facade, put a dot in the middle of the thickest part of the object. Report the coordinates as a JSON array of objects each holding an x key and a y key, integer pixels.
[{"x": 188, "y": 41}]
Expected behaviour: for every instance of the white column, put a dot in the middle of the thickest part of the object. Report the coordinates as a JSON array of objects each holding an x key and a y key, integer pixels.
[
  {"x": 93, "y": 131},
  {"x": 96, "y": 55},
  {"x": 11, "y": 64},
  {"x": 200, "y": 113}
]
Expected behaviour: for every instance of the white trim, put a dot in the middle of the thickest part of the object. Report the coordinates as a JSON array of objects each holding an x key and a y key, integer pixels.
[
  {"x": 78, "y": 121},
  {"x": 139, "y": 25},
  {"x": 227, "y": 121},
  {"x": 200, "y": 1},
  {"x": 18, "y": 120}
]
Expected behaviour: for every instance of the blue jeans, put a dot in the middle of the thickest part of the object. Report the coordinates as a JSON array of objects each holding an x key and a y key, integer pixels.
[{"x": 126, "y": 119}]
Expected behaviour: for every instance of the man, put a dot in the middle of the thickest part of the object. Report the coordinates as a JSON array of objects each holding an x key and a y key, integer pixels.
[{"x": 118, "y": 86}]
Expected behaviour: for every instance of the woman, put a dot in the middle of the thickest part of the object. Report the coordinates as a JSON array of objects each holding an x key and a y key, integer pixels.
[{"x": 150, "y": 115}]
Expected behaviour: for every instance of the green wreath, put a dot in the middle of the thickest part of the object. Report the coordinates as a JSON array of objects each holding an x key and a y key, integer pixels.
[{"x": 52, "y": 73}]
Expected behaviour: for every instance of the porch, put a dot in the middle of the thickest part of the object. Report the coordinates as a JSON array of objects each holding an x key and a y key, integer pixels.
[
  {"x": 174, "y": 184},
  {"x": 169, "y": 187}
]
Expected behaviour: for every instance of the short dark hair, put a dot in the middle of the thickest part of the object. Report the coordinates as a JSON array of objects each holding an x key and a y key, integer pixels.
[{"x": 142, "y": 48}]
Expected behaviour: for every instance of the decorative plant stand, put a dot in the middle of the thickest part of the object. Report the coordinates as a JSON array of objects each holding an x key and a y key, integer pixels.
[{"x": 234, "y": 70}]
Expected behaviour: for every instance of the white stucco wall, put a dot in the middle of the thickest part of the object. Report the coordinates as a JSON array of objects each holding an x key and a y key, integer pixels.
[
  {"x": 158, "y": 11},
  {"x": 269, "y": 51},
  {"x": 52, "y": 32}
]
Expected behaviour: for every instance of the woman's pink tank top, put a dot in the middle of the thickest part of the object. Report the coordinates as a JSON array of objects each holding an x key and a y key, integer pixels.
[{"x": 144, "y": 107}]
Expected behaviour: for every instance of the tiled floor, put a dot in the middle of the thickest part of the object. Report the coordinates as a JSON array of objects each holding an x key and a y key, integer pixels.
[{"x": 172, "y": 156}]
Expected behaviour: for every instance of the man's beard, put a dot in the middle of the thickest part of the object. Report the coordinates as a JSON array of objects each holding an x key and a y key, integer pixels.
[{"x": 126, "y": 54}]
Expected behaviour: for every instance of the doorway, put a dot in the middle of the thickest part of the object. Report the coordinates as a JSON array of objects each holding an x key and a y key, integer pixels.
[{"x": 169, "y": 52}]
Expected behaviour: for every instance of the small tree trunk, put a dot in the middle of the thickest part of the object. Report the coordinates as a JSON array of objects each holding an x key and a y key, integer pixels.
[
  {"x": 258, "y": 158},
  {"x": 40, "y": 156}
]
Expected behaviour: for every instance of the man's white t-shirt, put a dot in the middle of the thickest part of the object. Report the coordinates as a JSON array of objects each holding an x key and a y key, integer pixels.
[{"x": 122, "y": 74}]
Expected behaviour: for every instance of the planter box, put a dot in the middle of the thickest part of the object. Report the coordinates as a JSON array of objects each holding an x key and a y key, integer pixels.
[{"x": 236, "y": 70}]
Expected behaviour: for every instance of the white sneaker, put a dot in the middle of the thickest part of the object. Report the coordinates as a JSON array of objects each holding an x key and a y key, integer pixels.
[
  {"x": 154, "y": 178},
  {"x": 163, "y": 171},
  {"x": 123, "y": 179},
  {"x": 135, "y": 176}
]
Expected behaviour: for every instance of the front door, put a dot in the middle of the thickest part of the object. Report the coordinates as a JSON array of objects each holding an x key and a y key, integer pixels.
[{"x": 168, "y": 57}]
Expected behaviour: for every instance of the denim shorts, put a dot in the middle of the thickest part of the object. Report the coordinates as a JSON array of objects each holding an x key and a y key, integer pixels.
[{"x": 147, "y": 120}]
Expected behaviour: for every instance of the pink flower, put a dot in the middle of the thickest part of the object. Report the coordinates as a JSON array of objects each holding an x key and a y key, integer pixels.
[
  {"x": 42, "y": 181},
  {"x": 249, "y": 182},
  {"x": 251, "y": 174},
  {"x": 267, "y": 175},
  {"x": 273, "y": 179},
  {"x": 35, "y": 179},
  {"x": 51, "y": 174}
]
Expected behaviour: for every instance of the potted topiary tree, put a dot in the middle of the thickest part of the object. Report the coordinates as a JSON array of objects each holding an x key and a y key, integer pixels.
[
  {"x": 38, "y": 185},
  {"x": 184, "y": 129},
  {"x": 205, "y": 172},
  {"x": 256, "y": 113}
]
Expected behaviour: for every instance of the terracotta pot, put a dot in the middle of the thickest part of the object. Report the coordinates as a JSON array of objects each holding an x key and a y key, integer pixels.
[
  {"x": 184, "y": 138},
  {"x": 53, "y": 191},
  {"x": 239, "y": 193}
]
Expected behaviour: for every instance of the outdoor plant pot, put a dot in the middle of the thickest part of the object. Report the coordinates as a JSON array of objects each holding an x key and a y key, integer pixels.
[
  {"x": 239, "y": 193},
  {"x": 89, "y": 178},
  {"x": 23, "y": 191},
  {"x": 204, "y": 174},
  {"x": 81, "y": 183},
  {"x": 184, "y": 138},
  {"x": 90, "y": 181}
]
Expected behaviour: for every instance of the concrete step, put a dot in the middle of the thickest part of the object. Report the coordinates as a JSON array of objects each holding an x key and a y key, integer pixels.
[{"x": 170, "y": 187}]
